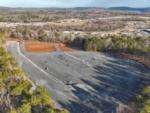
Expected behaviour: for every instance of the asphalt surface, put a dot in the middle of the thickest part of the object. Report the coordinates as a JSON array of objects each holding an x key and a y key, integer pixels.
[{"x": 98, "y": 82}]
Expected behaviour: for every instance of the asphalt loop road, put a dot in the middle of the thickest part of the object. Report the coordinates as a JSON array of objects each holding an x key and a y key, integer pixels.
[{"x": 98, "y": 82}]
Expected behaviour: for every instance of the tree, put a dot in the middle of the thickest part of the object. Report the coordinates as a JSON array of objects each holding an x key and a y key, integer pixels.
[
  {"x": 42, "y": 35},
  {"x": 12, "y": 111},
  {"x": 2, "y": 37},
  {"x": 24, "y": 108},
  {"x": 56, "y": 36}
]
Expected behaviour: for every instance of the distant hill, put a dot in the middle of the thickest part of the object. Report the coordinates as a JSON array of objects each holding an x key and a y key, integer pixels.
[
  {"x": 123, "y": 9},
  {"x": 49, "y": 9},
  {"x": 147, "y": 9}
]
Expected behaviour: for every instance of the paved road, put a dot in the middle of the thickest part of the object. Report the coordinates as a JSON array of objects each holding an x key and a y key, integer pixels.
[
  {"x": 38, "y": 75},
  {"x": 100, "y": 82}
]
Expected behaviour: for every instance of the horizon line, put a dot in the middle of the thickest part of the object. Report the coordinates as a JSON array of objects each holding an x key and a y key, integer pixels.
[{"x": 69, "y": 7}]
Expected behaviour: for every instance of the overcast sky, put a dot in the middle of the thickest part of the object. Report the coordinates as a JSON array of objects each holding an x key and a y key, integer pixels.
[{"x": 74, "y": 3}]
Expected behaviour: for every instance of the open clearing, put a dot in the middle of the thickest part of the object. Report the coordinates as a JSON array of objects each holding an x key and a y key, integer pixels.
[{"x": 98, "y": 82}]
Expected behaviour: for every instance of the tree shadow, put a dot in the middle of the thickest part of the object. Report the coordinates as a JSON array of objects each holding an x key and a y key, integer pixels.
[{"x": 111, "y": 85}]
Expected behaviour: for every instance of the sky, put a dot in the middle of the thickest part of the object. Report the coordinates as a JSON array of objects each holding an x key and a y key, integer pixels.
[{"x": 74, "y": 3}]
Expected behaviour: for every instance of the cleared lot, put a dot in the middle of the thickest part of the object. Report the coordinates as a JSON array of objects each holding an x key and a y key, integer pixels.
[{"x": 99, "y": 82}]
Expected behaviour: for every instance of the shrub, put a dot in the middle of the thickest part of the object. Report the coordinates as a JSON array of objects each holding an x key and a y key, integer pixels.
[
  {"x": 143, "y": 101},
  {"x": 24, "y": 108}
]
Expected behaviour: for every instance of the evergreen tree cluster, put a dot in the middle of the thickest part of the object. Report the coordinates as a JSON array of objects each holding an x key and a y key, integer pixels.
[{"x": 134, "y": 45}]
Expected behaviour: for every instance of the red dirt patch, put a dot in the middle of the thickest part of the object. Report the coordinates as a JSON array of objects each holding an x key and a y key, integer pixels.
[{"x": 35, "y": 46}]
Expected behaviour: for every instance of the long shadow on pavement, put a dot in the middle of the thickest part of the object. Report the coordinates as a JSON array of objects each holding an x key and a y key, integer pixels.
[{"x": 115, "y": 83}]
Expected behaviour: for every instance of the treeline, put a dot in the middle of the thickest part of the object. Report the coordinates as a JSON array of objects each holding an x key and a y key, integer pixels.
[
  {"x": 122, "y": 43},
  {"x": 17, "y": 92},
  {"x": 93, "y": 25},
  {"x": 52, "y": 14},
  {"x": 27, "y": 16}
]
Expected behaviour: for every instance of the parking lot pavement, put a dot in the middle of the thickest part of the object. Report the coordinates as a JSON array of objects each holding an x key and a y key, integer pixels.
[{"x": 84, "y": 82}]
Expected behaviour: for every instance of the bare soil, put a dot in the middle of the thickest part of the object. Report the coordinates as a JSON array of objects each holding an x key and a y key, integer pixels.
[{"x": 36, "y": 46}]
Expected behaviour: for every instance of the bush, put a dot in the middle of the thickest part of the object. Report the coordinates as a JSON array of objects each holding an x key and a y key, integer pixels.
[
  {"x": 24, "y": 108},
  {"x": 142, "y": 101}
]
